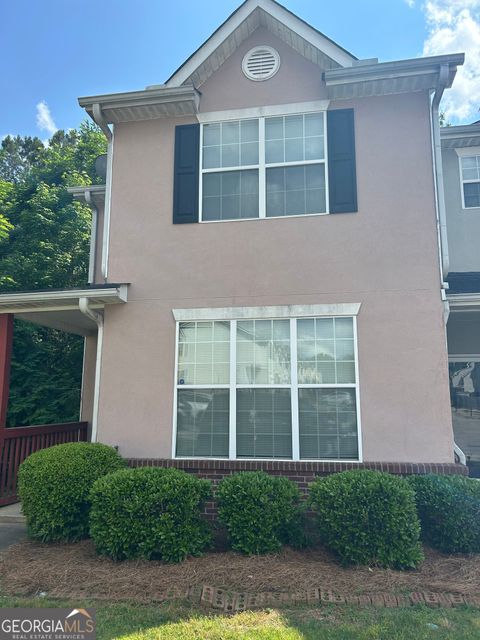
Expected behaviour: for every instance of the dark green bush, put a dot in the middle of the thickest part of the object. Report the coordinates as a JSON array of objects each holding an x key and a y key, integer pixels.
[
  {"x": 449, "y": 510},
  {"x": 151, "y": 513},
  {"x": 260, "y": 512},
  {"x": 54, "y": 486},
  {"x": 368, "y": 517}
]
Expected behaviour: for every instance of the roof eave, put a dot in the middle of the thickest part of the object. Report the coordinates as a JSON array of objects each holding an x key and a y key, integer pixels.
[
  {"x": 145, "y": 104},
  {"x": 460, "y": 136},
  {"x": 400, "y": 76}
]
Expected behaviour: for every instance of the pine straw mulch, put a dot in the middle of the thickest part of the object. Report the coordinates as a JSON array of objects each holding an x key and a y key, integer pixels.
[{"x": 74, "y": 570}]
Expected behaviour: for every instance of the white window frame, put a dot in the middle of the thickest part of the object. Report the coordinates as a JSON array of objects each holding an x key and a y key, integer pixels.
[
  {"x": 261, "y": 115},
  {"x": 232, "y": 315},
  {"x": 466, "y": 152}
]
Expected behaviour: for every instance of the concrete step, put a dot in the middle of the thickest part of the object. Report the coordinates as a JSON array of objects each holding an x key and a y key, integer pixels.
[{"x": 11, "y": 513}]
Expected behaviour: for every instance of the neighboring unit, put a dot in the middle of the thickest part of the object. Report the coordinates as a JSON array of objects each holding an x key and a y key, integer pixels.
[{"x": 461, "y": 169}]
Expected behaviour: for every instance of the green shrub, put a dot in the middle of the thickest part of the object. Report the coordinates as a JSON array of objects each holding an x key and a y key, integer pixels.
[
  {"x": 368, "y": 517},
  {"x": 151, "y": 513},
  {"x": 449, "y": 510},
  {"x": 54, "y": 486},
  {"x": 260, "y": 511}
]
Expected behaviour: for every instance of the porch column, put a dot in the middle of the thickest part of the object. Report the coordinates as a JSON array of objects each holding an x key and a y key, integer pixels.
[{"x": 6, "y": 337}]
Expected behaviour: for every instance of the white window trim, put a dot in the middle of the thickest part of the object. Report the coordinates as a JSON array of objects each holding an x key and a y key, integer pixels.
[
  {"x": 260, "y": 114},
  {"x": 268, "y": 313},
  {"x": 294, "y": 386},
  {"x": 466, "y": 152}
]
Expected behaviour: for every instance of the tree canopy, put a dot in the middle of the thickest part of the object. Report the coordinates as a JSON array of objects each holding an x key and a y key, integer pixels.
[{"x": 44, "y": 244}]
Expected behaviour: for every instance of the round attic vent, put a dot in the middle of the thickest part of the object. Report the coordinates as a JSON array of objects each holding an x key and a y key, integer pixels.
[{"x": 261, "y": 63}]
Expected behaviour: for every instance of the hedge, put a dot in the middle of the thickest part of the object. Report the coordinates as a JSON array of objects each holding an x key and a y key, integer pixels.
[
  {"x": 368, "y": 517},
  {"x": 449, "y": 510},
  {"x": 151, "y": 513},
  {"x": 54, "y": 486},
  {"x": 260, "y": 512}
]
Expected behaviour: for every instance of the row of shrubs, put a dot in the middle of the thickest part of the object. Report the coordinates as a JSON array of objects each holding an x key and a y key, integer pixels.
[{"x": 71, "y": 491}]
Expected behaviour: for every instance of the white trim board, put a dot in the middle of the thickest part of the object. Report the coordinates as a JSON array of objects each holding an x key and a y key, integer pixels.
[
  {"x": 265, "y": 111},
  {"x": 273, "y": 312},
  {"x": 292, "y": 22}
]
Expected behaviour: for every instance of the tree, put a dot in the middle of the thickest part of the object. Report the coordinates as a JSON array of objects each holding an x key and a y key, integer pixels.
[{"x": 45, "y": 245}]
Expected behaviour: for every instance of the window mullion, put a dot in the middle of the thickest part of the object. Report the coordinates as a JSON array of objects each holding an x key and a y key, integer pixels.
[
  {"x": 262, "y": 196},
  {"x": 294, "y": 390},
  {"x": 232, "y": 449}
]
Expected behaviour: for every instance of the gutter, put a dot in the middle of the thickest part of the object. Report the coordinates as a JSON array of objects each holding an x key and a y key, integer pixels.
[
  {"x": 100, "y": 120},
  {"x": 84, "y": 306},
  {"x": 438, "y": 169}
]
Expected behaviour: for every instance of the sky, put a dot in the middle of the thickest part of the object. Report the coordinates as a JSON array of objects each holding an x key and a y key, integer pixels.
[{"x": 52, "y": 51}]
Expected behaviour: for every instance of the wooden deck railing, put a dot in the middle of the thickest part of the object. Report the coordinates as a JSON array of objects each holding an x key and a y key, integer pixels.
[{"x": 18, "y": 443}]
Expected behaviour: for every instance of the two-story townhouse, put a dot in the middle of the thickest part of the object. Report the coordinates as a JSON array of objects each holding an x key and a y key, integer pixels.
[
  {"x": 272, "y": 214},
  {"x": 461, "y": 178}
]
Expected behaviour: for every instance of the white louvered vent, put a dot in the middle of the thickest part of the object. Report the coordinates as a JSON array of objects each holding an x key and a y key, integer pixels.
[{"x": 261, "y": 63}]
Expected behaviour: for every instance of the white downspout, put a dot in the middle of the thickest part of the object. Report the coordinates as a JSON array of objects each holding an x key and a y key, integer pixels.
[
  {"x": 438, "y": 169},
  {"x": 441, "y": 215},
  {"x": 102, "y": 123},
  {"x": 93, "y": 237},
  {"x": 97, "y": 317}
]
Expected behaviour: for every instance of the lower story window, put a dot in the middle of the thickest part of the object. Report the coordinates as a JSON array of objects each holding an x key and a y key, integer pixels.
[{"x": 267, "y": 389}]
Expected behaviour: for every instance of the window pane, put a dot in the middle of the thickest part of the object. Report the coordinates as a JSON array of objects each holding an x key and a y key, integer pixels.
[
  {"x": 471, "y": 194},
  {"x": 230, "y": 144},
  {"x": 294, "y": 138},
  {"x": 230, "y": 195},
  {"x": 325, "y": 351},
  {"x": 327, "y": 424},
  {"x": 204, "y": 353},
  {"x": 302, "y": 188},
  {"x": 264, "y": 423},
  {"x": 202, "y": 422},
  {"x": 263, "y": 352},
  {"x": 471, "y": 168}
]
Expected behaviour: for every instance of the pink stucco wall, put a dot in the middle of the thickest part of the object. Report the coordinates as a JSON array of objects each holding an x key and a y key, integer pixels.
[{"x": 385, "y": 256}]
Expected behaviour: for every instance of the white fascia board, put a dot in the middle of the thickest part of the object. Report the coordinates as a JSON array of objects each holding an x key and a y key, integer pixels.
[
  {"x": 291, "y": 21},
  {"x": 395, "y": 69},
  {"x": 145, "y": 97},
  {"x": 283, "y": 311},
  {"x": 311, "y": 106},
  {"x": 60, "y": 300}
]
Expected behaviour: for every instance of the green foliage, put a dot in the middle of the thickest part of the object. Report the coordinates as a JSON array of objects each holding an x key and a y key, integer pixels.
[
  {"x": 260, "y": 512},
  {"x": 54, "y": 487},
  {"x": 149, "y": 513},
  {"x": 44, "y": 244},
  {"x": 449, "y": 510},
  {"x": 368, "y": 517}
]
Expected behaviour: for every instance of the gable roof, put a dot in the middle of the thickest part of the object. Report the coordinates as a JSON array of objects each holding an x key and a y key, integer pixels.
[{"x": 245, "y": 20}]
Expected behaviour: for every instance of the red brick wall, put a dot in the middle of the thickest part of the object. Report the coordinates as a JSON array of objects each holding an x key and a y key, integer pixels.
[{"x": 302, "y": 473}]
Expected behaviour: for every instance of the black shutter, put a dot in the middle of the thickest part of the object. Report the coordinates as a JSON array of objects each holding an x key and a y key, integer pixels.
[
  {"x": 342, "y": 174},
  {"x": 186, "y": 169}
]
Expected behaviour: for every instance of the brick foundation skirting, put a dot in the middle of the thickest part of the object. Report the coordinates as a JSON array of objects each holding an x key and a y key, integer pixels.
[{"x": 301, "y": 472}]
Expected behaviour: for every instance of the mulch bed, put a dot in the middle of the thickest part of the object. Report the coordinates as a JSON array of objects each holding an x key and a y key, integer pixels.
[{"x": 74, "y": 570}]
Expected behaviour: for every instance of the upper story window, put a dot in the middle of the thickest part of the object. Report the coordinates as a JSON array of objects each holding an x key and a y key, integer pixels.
[
  {"x": 470, "y": 177},
  {"x": 264, "y": 167}
]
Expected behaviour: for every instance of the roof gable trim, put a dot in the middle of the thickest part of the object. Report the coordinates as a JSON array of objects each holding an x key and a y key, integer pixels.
[{"x": 283, "y": 15}]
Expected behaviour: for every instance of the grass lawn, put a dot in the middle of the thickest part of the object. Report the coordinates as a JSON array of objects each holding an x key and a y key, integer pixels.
[{"x": 181, "y": 621}]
